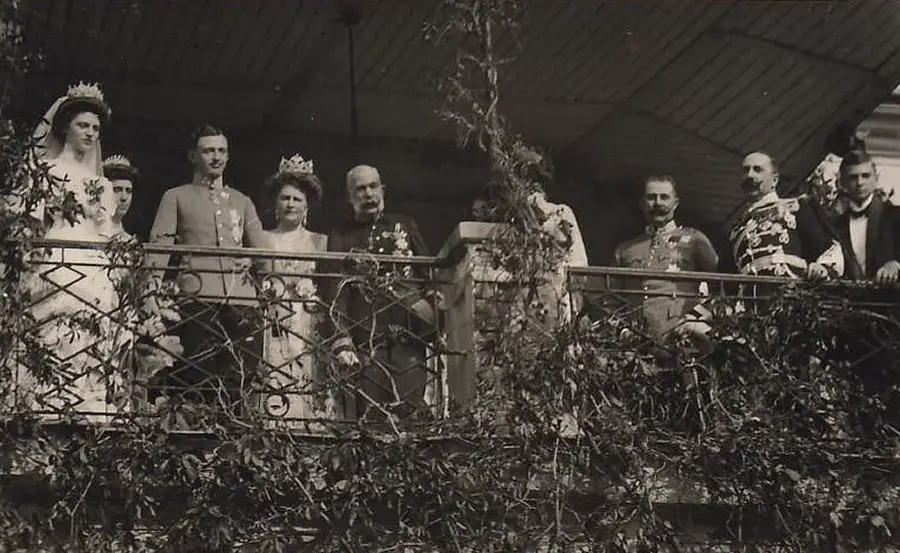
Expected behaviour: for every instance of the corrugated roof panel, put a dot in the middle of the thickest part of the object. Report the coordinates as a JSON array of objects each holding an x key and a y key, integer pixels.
[
  {"x": 633, "y": 146},
  {"x": 147, "y": 31},
  {"x": 239, "y": 42},
  {"x": 93, "y": 15},
  {"x": 745, "y": 136},
  {"x": 418, "y": 72},
  {"x": 746, "y": 78},
  {"x": 375, "y": 59},
  {"x": 679, "y": 35},
  {"x": 182, "y": 28},
  {"x": 769, "y": 96},
  {"x": 553, "y": 124},
  {"x": 276, "y": 19},
  {"x": 824, "y": 103},
  {"x": 883, "y": 40},
  {"x": 302, "y": 19},
  {"x": 221, "y": 26},
  {"x": 754, "y": 17},
  {"x": 590, "y": 43},
  {"x": 697, "y": 91},
  {"x": 672, "y": 80},
  {"x": 844, "y": 39},
  {"x": 114, "y": 62},
  {"x": 538, "y": 57},
  {"x": 681, "y": 97},
  {"x": 102, "y": 45}
]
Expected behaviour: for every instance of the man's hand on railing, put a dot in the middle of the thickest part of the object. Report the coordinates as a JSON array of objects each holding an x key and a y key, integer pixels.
[
  {"x": 816, "y": 271},
  {"x": 348, "y": 358},
  {"x": 889, "y": 273}
]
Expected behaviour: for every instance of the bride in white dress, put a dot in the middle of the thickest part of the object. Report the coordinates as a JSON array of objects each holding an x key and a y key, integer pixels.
[
  {"x": 290, "y": 346},
  {"x": 74, "y": 300}
]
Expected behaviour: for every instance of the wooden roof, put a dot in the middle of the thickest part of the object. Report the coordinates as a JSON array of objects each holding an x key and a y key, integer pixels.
[{"x": 627, "y": 87}]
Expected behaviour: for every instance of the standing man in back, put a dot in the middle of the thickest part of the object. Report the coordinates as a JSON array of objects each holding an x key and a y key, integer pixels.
[
  {"x": 222, "y": 308},
  {"x": 870, "y": 228},
  {"x": 665, "y": 246}
]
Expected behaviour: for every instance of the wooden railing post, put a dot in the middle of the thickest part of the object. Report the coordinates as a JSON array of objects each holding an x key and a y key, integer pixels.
[{"x": 461, "y": 259}]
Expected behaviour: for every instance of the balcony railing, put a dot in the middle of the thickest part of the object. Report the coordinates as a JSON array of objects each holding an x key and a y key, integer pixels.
[
  {"x": 255, "y": 334},
  {"x": 254, "y": 338},
  {"x": 250, "y": 333}
]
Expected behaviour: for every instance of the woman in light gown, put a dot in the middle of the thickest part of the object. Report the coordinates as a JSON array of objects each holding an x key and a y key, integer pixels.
[
  {"x": 290, "y": 346},
  {"x": 560, "y": 295},
  {"x": 74, "y": 298}
]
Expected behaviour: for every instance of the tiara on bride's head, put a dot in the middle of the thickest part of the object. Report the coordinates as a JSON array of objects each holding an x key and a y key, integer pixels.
[
  {"x": 296, "y": 165},
  {"x": 85, "y": 91},
  {"x": 89, "y": 93}
]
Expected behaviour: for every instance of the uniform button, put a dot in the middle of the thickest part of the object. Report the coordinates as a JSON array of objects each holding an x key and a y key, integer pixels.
[{"x": 218, "y": 212}]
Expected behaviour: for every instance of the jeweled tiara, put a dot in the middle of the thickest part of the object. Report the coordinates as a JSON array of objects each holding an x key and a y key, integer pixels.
[{"x": 296, "y": 165}]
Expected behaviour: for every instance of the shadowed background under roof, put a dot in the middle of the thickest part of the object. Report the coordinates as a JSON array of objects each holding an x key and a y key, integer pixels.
[{"x": 618, "y": 90}]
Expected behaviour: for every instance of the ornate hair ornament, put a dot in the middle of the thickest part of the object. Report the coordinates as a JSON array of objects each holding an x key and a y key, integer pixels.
[
  {"x": 117, "y": 161},
  {"x": 85, "y": 91},
  {"x": 296, "y": 165},
  {"x": 89, "y": 92}
]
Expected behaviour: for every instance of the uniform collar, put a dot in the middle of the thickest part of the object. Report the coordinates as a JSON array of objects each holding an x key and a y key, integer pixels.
[
  {"x": 768, "y": 198},
  {"x": 216, "y": 184},
  {"x": 652, "y": 231}
]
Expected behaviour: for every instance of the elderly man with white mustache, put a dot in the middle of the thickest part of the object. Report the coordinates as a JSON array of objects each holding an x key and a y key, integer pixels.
[{"x": 381, "y": 334}]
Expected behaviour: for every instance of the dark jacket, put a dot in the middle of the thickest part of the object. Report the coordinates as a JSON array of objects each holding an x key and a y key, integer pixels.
[
  {"x": 882, "y": 240},
  {"x": 362, "y": 313}
]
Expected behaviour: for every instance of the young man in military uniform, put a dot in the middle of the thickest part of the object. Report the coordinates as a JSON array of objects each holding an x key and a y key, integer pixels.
[{"x": 222, "y": 305}]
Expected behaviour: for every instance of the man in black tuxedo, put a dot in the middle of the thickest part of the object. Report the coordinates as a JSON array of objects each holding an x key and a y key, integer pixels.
[
  {"x": 870, "y": 228},
  {"x": 382, "y": 333}
]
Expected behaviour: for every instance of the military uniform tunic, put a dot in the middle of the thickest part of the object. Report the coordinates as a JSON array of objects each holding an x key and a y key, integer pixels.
[{"x": 672, "y": 248}]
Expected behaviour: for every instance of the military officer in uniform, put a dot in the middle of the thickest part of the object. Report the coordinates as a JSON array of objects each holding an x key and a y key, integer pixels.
[
  {"x": 222, "y": 305},
  {"x": 666, "y": 246},
  {"x": 781, "y": 236}
]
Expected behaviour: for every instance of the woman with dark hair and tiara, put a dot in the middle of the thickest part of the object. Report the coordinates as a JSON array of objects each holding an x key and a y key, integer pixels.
[
  {"x": 74, "y": 298},
  {"x": 291, "y": 344}
]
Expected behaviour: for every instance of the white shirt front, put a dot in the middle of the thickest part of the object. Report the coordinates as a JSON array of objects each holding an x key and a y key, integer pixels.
[{"x": 858, "y": 230}]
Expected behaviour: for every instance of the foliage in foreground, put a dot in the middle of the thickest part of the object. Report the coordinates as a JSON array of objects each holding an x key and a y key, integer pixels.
[{"x": 786, "y": 424}]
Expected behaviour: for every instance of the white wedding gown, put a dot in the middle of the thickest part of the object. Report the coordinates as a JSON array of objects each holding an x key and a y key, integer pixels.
[
  {"x": 75, "y": 303},
  {"x": 290, "y": 346}
]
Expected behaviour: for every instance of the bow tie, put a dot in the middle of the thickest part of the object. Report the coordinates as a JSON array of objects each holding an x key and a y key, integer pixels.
[{"x": 854, "y": 214}]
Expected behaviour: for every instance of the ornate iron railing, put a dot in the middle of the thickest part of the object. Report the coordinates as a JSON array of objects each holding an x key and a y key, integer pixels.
[
  {"x": 250, "y": 333},
  {"x": 255, "y": 333}
]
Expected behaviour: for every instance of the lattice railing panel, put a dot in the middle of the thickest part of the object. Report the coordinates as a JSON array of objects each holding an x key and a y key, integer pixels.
[{"x": 95, "y": 347}]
